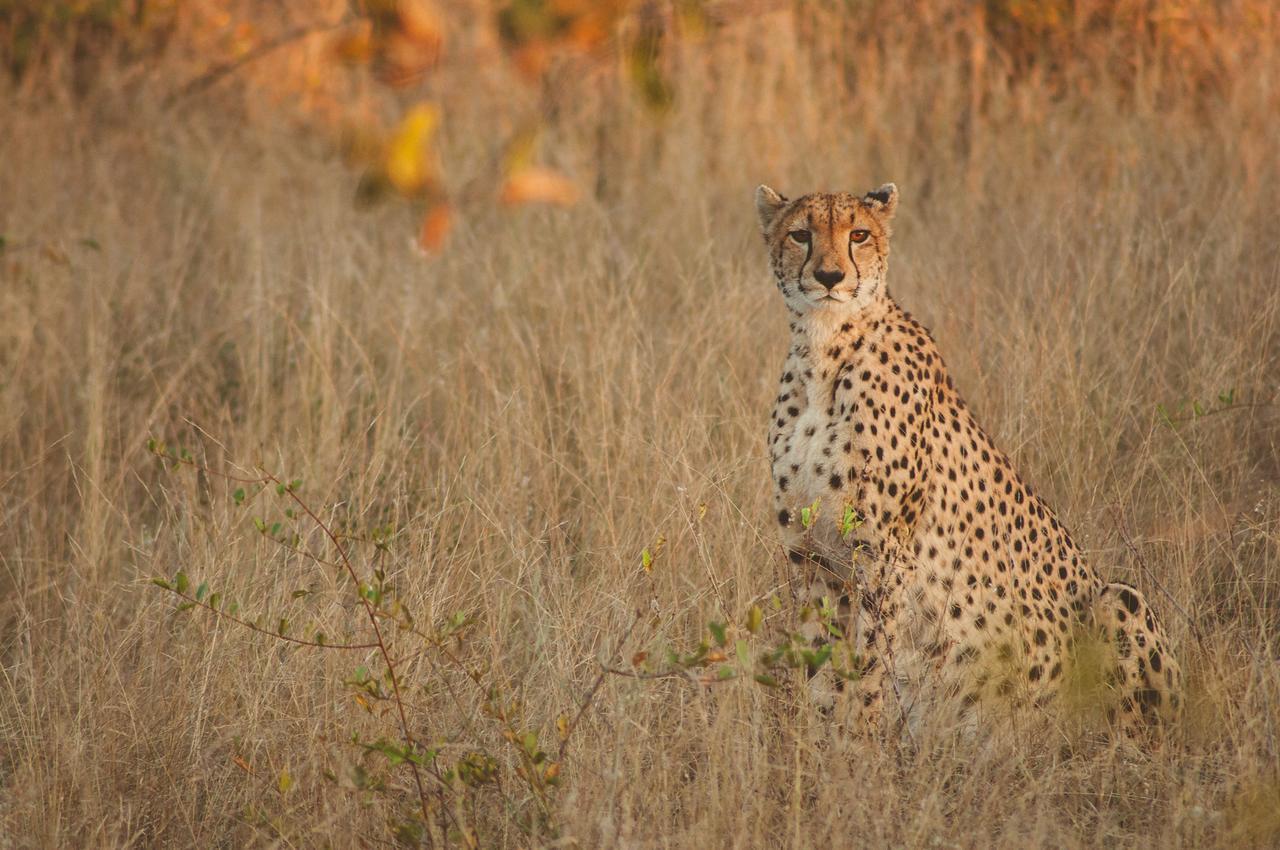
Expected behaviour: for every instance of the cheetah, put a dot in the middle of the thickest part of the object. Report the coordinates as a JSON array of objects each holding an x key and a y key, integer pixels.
[{"x": 955, "y": 580}]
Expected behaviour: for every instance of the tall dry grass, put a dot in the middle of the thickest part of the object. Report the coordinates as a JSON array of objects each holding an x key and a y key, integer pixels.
[{"x": 1091, "y": 241}]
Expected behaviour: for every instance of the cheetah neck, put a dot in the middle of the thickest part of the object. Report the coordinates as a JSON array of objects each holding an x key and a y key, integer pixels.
[
  {"x": 823, "y": 342},
  {"x": 819, "y": 334}
]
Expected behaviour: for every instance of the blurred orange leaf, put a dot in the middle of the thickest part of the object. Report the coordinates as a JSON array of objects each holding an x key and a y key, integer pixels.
[
  {"x": 531, "y": 59},
  {"x": 354, "y": 47},
  {"x": 436, "y": 225},
  {"x": 421, "y": 23},
  {"x": 539, "y": 186}
]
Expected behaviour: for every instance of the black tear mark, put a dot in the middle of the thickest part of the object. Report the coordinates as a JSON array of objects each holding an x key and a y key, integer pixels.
[{"x": 808, "y": 254}]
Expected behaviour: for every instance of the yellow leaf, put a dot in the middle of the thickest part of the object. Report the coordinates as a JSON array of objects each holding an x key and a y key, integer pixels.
[
  {"x": 520, "y": 149},
  {"x": 285, "y": 782},
  {"x": 541, "y": 186},
  {"x": 435, "y": 227},
  {"x": 562, "y": 726},
  {"x": 407, "y": 164}
]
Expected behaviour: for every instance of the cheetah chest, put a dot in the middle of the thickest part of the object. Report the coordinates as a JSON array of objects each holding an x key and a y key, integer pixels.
[{"x": 808, "y": 464}]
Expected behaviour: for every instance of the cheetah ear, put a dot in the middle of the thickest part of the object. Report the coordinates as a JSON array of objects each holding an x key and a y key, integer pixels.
[
  {"x": 768, "y": 204},
  {"x": 883, "y": 200}
]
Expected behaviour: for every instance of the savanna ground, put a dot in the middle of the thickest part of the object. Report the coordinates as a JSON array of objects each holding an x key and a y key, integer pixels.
[{"x": 1089, "y": 229}]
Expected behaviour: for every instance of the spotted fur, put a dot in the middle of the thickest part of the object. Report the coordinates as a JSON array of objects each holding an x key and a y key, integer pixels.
[{"x": 959, "y": 582}]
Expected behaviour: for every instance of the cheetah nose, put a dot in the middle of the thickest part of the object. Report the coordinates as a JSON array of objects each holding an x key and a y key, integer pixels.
[{"x": 828, "y": 278}]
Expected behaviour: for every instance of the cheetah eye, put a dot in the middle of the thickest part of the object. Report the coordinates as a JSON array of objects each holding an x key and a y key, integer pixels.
[
  {"x": 800, "y": 237},
  {"x": 859, "y": 236}
]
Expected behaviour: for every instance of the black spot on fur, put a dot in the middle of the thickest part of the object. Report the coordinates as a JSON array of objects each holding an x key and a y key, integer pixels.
[{"x": 1129, "y": 599}]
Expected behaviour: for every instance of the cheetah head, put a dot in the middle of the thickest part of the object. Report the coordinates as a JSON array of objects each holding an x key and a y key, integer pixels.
[{"x": 829, "y": 251}]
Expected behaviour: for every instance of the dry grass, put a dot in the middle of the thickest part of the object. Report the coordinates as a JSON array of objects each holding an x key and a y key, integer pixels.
[{"x": 561, "y": 388}]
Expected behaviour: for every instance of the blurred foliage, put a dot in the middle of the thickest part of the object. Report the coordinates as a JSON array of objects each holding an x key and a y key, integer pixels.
[
  {"x": 31, "y": 31},
  {"x": 410, "y": 49}
]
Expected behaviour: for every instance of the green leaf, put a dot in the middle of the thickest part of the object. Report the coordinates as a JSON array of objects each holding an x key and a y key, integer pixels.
[
  {"x": 320, "y": 638},
  {"x": 275, "y": 528},
  {"x": 725, "y": 673},
  {"x": 744, "y": 655},
  {"x": 850, "y": 520},
  {"x": 3, "y": 243},
  {"x": 180, "y": 582},
  {"x": 295, "y": 484},
  {"x": 815, "y": 659},
  {"x": 238, "y": 495},
  {"x": 754, "y": 618},
  {"x": 91, "y": 243},
  {"x": 283, "y": 627},
  {"x": 410, "y": 833},
  {"x": 646, "y": 560},
  {"x": 806, "y": 516},
  {"x": 186, "y": 606},
  {"x": 766, "y": 680},
  {"x": 201, "y": 591},
  {"x": 159, "y": 582},
  {"x": 718, "y": 632},
  {"x": 260, "y": 524},
  {"x": 298, "y": 594},
  {"x": 279, "y": 489},
  {"x": 215, "y": 600}
]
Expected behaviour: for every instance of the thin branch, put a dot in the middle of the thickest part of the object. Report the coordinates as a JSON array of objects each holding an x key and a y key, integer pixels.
[
  {"x": 590, "y": 695},
  {"x": 253, "y": 628},
  {"x": 683, "y": 675},
  {"x": 218, "y": 72},
  {"x": 381, "y": 642},
  {"x": 267, "y": 478},
  {"x": 1195, "y": 417}
]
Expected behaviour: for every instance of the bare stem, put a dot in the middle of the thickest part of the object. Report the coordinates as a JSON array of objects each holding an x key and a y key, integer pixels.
[{"x": 254, "y": 628}]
